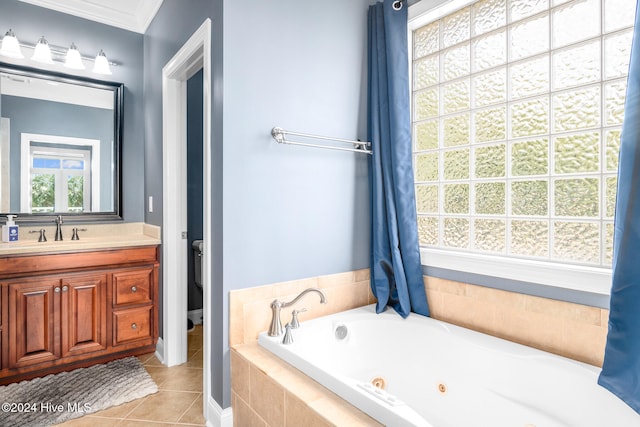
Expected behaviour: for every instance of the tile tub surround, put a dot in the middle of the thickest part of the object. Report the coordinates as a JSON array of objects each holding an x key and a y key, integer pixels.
[
  {"x": 250, "y": 308},
  {"x": 96, "y": 236},
  {"x": 267, "y": 391},
  {"x": 571, "y": 330},
  {"x": 257, "y": 376}
]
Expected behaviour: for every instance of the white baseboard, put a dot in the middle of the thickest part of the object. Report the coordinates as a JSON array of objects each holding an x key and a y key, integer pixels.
[
  {"x": 195, "y": 316},
  {"x": 216, "y": 416},
  {"x": 160, "y": 350}
]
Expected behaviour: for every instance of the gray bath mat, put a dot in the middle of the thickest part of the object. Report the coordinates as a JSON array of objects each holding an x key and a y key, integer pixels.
[{"x": 60, "y": 397}]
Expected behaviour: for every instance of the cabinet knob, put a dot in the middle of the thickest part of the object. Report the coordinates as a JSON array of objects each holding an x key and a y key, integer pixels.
[
  {"x": 134, "y": 326},
  {"x": 56, "y": 289},
  {"x": 65, "y": 288},
  {"x": 134, "y": 289}
]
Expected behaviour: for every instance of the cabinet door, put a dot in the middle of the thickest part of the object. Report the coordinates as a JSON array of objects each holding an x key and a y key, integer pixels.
[
  {"x": 84, "y": 314},
  {"x": 34, "y": 321}
]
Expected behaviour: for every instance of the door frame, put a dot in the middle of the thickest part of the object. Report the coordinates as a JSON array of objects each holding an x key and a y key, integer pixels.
[{"x": 194, "y": 55}]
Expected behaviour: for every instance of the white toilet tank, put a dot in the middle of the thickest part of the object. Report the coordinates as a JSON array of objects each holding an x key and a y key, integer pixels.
[{"x": 197, "y": 247}]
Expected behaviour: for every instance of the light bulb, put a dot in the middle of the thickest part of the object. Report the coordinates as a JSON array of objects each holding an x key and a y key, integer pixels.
[
  {"x": 73, "y": 58},
  {"x": 11, "y": 46},
  {"x": 101, "y": 65},
  {"x": 42, "y": 53}
]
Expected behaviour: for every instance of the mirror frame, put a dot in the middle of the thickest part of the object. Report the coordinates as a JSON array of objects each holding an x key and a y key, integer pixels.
[{"x": 118, "y": 90}]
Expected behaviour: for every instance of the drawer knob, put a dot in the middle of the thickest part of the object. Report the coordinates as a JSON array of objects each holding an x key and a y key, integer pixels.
[
  {"x": 134, "y": 289},
  {"x": 65, "y": 288},
  {"x": 56, "y": 289},
  {"x": 134, "y": 326}
]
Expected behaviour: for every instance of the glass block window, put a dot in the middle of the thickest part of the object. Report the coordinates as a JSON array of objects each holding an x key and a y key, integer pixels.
[{"x": 517, "y": 115}]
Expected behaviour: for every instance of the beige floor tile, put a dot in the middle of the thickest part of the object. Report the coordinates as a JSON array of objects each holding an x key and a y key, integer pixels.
[
  {"x": 159, "y": 374},
  {"x": 194, "y": 338},
  {"x": 193, "y": 415},
  {"x": 195, "y": 360},
  {"x": 120, "y": 411},
  {"x": 152, "y": 361},
  {"x": 183, "y": 378},
  {"x": 144, "y": 357},
  {"x": 142, "y": 423},
  {"x": 166, "y": 405},
  {"x": 90, "y": 421}
]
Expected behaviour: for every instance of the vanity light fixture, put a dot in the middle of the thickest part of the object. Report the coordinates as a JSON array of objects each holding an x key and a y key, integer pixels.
[
  {"x": 11, "y": 46},
  {"x": 42, "y": 53},
  {"x": 73, "y": 59},
  {"x": 101, "y": 64},
  {"x": 49, "y": 54}
]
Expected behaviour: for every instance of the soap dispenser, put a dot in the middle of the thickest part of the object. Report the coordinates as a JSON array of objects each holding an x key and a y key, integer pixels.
[{"x": 10, "y": 230}]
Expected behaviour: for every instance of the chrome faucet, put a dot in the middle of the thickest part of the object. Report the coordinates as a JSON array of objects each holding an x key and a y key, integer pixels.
[
  {"x": 58, "y": 228},
  {"x": 276, "y": 325}
]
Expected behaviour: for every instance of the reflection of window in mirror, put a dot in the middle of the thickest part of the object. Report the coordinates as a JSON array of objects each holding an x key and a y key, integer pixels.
[
  {"x": 56, "y": 174},
  {"x": 60, "y": 179},
  {"x": 5, "y": 198}
]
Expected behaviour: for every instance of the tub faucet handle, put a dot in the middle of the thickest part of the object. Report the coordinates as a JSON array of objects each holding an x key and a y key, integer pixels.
[
  {"x": 288, "y": 337},
  {"x": 295, "y": 323},
  {"x": 275, "y": 329}
]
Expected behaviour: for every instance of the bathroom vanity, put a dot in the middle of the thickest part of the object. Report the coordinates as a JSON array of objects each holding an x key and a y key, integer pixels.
[{"x": 76, "y": 304}]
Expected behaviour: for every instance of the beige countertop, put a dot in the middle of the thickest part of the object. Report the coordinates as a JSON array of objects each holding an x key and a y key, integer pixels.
[{"x": 96, "y": 236}]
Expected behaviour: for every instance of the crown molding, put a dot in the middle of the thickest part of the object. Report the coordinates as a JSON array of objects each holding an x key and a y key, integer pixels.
[{"x": 131, "y": 15}]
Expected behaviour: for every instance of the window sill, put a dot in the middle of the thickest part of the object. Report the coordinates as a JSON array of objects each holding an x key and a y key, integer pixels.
[{"x": 564, "y": 277}]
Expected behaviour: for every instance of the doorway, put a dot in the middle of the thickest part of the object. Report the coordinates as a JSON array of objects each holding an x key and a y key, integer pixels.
[{"x": 193, "y": 57}]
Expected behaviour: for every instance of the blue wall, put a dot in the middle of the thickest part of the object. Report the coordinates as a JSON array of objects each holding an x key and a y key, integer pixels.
[
  {"x": 279, "y": 212},
  {"x": 125, "y": 47},
  {"x": 292, "y": 212},
  {"x": 194, "y": 180}
]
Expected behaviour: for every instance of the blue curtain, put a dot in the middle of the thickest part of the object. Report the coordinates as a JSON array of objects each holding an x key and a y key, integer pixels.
[
  {"x": 621, "y": 369},
  {"x": 396, "y": 273}
]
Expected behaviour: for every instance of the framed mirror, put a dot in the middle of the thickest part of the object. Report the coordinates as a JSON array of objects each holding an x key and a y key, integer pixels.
[{"x": 60, "y": 146}]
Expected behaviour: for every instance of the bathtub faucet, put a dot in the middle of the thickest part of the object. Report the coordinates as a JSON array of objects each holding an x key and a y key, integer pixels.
[{"x": 276, "y": 325}]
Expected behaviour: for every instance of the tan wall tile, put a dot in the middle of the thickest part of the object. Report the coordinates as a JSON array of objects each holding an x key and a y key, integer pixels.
[
  {"x": 276, "y": 377},
  {"x": 236, "y": 323},
  {"x": 244, "y": 416},
  {"x": 604, "y": 318},
  {"x": 299, "y": 414},
  {"x": 267, "y": 398},
  {"x": 250, "y": 309},
  {"x": 496, "y": 297},
  {"x": 435, "y": 300},
  {"x": 341, "y": 413},
  {"x": 240, "y": 376},
  {"x": 443, "y": 285},
  {"x": 362, "y": 275},
  {"x": 559, "y": 327},
  {"x": 468, "y": 312},
  {"x": 563, "y": 309},
  {"x": 584, "y": 342}
]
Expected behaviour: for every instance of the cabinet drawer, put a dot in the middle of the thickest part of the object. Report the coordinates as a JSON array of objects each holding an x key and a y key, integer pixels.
[
  {"x": 132, "y": 287},
  {"x": 131, "y": 324}
]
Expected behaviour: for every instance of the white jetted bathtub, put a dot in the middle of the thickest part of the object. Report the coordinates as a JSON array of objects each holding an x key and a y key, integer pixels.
[{"x": 422, "y": 372}]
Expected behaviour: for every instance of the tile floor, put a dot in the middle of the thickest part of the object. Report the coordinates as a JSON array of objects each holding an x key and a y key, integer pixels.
[{"x": 178, "y": 401}]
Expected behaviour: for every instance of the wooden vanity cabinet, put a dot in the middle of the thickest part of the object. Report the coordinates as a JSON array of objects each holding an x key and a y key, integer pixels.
[{"x": 68, "y": 310}]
